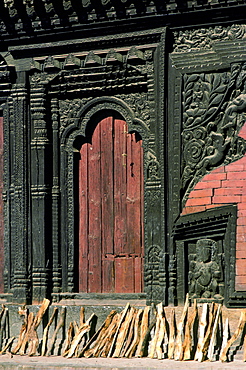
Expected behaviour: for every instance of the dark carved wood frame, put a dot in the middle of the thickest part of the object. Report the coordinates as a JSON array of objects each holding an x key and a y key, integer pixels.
[
  {"x": 41, "y": 260},
  {"x": 218, "y": 58},
  {"x": 217, "y": 224}
]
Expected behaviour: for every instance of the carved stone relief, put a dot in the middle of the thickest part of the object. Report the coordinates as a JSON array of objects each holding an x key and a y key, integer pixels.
[
  {"x": 214, "y": 106},
  {"x": 206, "y": 271}
]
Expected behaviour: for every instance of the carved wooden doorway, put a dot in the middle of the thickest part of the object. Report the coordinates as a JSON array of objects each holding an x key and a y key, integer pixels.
[{"x": 111, "y": 210}]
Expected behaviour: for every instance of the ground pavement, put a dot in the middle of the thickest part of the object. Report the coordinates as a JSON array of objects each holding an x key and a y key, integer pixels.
[{"x": 9, "y": 362}]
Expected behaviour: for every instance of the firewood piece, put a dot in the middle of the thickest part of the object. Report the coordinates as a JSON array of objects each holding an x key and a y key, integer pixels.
[
  {"x": 60, "y": 324},
  {"x": 187, "y": 344},
  {"x": 46, "y": 331},
  {"x": 82, "y": 316},
  {"x": 172, "y": 335},
  {"x": 239, "y": 330},
  {"x": 205, "y": 343},
  {"x": 23, "y": 311},
  {"x": 130, "y": 335},
  {"x": 147, "y": 335},
  {"x": 103, "y": 347},
  {"x": 123, "y": 333},
  {"x": 123, "y": 315},
  {"x": 202, "y": 329},
  {"x": 162, "y": 332},
  {"x": 244, "y": 349},
  {"x": 32, "y": 336},
  {"x": 3, "y": 324},
  {"x": 69, "y": 338},
  {"x": 143, "y": 331},
  {"x": 7, "y": 345},
  {"x": 30, "y": 319},
  {"x": 78, "y": 337},
  {"x": 136, "y": 337},
  {"x": 97, "y": 337},
  {"x": 178, "y": 351},
  {"x": 155, "y": 346},
  {"x": 226, "y": 334},
  {"x": 214, "y": 333}
]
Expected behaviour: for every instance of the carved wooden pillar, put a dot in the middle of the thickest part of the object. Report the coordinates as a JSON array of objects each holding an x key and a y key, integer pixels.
[
  {"x": 56, "y": 201},
  {"x": 18, "y": 190},
  {"x": 41, "y": 173}
]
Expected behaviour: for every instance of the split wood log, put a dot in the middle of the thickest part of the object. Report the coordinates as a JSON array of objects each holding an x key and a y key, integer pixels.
[
  {"x": 8, "y": 344},
  {"x": 202, "y": 329},
  {"x": 23, "y": 311},
  {"x": 189, "y": 330},
  {"x": 130, "y": 334},
  {"x": 81, "y": 316},
  {"x": 60, "y": 325},
  {"x": 160, "y": 329},
  {"x": 206, "y": 341},
  {"x": 147, "y": 336},
  {"x": 23, "y": 346},
  {"x": 103, "y": 348},
  {"x": 3, "y": 324},
  {"x": 143, "y": 331},
  {"x": 123, "y": 315},
  {"x": 162, "y": 333},
  {"x": 98, "y": 336},
  {"x": 226, "y": 335},
  {"x": 153, "y": 342},
  {"x": 239, "y": 330},
  {"x": 69, "y": 338},
  {"x": 172, "y": 335},
  {"x": 46, "y": 332},
  {"x": 244, "y": 349},
  {"x": 122, "y": 334},
  {"x": 85, "y": 328},
  {"x": 178, "y": 350},
  {"x": 32, "y": 336},
  {"x": 136, "y": 336},
  {"x": 214, "y": 334}
]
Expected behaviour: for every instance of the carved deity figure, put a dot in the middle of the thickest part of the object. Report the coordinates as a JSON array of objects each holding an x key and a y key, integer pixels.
[{"x": 205, "y": 272}]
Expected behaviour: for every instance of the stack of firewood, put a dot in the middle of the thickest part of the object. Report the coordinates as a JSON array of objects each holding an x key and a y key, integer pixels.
[{"x": 130, "y": 333}]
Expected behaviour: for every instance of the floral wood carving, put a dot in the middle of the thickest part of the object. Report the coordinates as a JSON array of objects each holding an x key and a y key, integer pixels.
[
  {"x": 204, "y": 38},
  {"x": 214, "y": 109}
]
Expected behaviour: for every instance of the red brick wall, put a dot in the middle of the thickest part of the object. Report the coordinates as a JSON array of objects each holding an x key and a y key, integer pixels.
[
  {"x": 225, "y": 185},
  {"x": 1, "y": 207}
]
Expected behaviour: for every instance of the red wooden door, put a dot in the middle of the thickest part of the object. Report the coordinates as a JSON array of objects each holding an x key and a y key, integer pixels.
[{"x": 111, "y": 210}]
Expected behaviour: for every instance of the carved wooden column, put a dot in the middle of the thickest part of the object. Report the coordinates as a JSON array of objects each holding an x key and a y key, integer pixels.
[
  {"x": 41, "y": 174},
  {"x": 155, "y": 184},
  {"x": 56, "y": 201},
  {"x": 18, "y": 190}
]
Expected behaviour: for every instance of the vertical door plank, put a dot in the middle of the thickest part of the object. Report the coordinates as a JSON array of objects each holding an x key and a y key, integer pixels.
[
  {"x": 83, "y": 219},
  {"x": 107, "y": 204},
  {"x": 94, "y": 204},
  {"x": 133, "y": 195},
  {"x": 108, "y": 275},
  {"x": 124, "y": 278},
  {"x": 120, "y": 228}
]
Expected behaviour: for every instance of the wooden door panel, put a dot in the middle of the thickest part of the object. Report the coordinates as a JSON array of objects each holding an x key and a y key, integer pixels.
[
  {"x": 94, "y": 209},
  {"x": 107, "y": 185},
  {"x": 120, "y": 227},
  {"x": 111, "y": 203}
]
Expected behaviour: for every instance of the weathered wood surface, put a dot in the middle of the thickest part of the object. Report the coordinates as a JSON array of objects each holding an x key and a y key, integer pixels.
[
  {"x": 111, "y": 210},
  {"x": 178, "y": 350},
  {"x": 238, "y": 331},
  {"x": 190, "y": 333}
]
